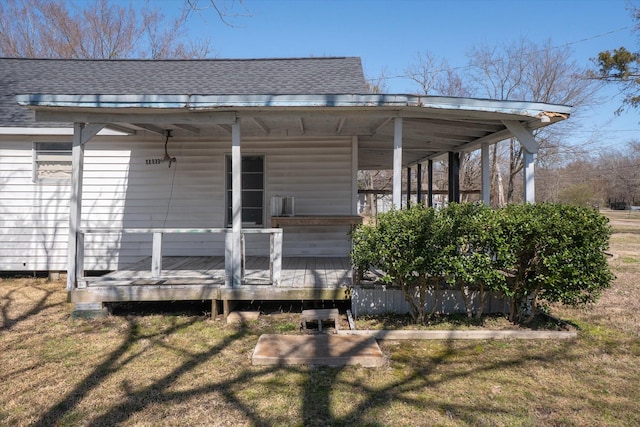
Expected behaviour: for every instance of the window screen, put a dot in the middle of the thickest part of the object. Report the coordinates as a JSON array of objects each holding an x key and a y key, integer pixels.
[{"x": 52, "y": 161}]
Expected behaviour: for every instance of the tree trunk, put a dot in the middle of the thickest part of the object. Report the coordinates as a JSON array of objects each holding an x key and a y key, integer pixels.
[{"x": 482, "y": 297}]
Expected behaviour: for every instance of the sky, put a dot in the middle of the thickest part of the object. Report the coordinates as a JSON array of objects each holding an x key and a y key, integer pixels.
[{"x": 388, "y": 35}]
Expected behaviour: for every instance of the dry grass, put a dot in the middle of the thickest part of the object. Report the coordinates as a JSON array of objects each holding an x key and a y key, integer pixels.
[{"x": 168, "y": 369}]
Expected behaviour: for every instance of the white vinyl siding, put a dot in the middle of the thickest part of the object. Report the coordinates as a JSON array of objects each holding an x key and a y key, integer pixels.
[
  {"x": 141, "y": 195},
  {"x": 33, "y": 216},
  {"x": 121, "y": 190},
  {"x": 318, "y": 174}
]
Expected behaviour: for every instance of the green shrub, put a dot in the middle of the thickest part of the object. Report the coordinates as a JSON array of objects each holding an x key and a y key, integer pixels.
[
  {"x": 481, "y": 252},
  {"x": 409, "y": 247},
  {"x": 528, "y": 252},
  {"x": 559, "y": 255}
]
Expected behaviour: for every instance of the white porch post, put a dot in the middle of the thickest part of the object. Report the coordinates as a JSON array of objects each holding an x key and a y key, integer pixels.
[
  {"x": 75, "y": 251},
  {"x": 354, "y": 175},
  {"x": 156, "y": 255},
  {"x": 74, "y": 265},
  {"x": 529, "y": 176},
  {"x": 529, "y": 149},
  {"x": 236, "y": 205},
  {"x": 486, "y": 189},
  {"x": 397, "y": 163}
]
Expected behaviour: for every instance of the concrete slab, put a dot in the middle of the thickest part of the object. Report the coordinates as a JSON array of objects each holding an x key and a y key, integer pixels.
[
  {"x": 320, "y": 315},
  {"x": 242, "y": 316},
  {"x": 89, "y": 310},
  {"x": 319, "y": 350}
]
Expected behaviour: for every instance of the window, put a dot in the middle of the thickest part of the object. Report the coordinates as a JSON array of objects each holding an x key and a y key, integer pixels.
[
  {"x": 252, "y": 191},
  {"x": 52, "y": 161}
]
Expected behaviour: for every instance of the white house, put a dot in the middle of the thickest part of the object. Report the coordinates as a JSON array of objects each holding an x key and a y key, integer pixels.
[{"x": 163, "y": 173}]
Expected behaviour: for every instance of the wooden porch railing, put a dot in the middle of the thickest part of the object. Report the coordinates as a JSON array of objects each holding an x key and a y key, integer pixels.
[{"x": 275, "y": 250}]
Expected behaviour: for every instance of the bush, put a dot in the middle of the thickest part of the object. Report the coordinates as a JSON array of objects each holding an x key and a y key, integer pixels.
[
  {"x": 410, "y": 247},
  {"x": 529, "y": 252},
  {"x": 559, "y": 255},
  {"x": 481, "y": 253}
]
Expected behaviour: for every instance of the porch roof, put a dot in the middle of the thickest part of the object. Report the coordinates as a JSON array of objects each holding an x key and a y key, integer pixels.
[{"x": 432, "y": 125}]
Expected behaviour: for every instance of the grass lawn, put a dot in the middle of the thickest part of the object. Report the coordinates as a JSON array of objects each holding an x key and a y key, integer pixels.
[{"x": 185, "y": 369}]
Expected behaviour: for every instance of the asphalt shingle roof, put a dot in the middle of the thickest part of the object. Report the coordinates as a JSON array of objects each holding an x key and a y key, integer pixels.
[{"x": 317, "y": 76}]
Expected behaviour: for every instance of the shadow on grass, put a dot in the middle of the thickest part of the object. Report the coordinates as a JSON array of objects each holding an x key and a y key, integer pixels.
[
  {"x": 317, "y": 390},
  {"x": 40, "y": 305},
  {"x": 321, "y": 383},
  {"x": 135, "y": 401}
]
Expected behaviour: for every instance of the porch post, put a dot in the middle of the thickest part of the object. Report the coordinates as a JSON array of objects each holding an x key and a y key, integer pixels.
[
  {"x": 354, "y": 175},
  {"x": 156, "y": 255},
  {"x": 419, "y": 183},
  {"x": 75, "y": 251},
  {"x": 529, "y": 149},
  {"x": 408, "y": 187},
  {"x": 430, "y": 183},
  {"x": 454, "y": 177},
  {"x": 397, "y": 163},
  {"x": 486, "y": 189},
  {"x": 236, "y": 205},
  {"x": 529, "y": 176}
]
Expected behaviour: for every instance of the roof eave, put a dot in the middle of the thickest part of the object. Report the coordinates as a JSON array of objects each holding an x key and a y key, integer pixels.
[{"x": 216, "y": 102}]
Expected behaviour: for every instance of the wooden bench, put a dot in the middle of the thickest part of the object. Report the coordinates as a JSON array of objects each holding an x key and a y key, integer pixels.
[{"x": 320, "y": 315}]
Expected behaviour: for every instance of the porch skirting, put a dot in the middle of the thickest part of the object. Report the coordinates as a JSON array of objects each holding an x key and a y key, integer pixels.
[{"x": 374, "y": 300}]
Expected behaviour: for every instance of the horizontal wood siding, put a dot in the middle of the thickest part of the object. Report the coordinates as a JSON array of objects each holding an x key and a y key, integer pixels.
[{"x": 121, "y": 190}]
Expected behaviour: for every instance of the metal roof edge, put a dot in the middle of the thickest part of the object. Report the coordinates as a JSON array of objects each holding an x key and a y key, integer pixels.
[
  {"x": 204, "y": 102},
  {"x": 489, "y": 104},
  {"x": 50, "y": 131},
  {"x": 104, "y": 101}
]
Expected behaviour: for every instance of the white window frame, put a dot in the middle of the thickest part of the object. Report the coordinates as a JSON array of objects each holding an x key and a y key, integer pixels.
[{"x": 40, "y": 153}]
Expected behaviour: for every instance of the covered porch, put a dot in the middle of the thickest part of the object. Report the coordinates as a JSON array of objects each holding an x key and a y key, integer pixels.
[{"x": 381, "y": 132}]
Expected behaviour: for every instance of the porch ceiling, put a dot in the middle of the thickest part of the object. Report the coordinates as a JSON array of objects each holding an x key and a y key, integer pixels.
[{"x": 432, "y": 126}]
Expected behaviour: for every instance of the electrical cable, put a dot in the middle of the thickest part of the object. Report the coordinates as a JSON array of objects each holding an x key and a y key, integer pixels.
[
  {"x": 167, "y": 157},
  {"x": 173, "y": 179},
  {"x": 170, "y": 159}
]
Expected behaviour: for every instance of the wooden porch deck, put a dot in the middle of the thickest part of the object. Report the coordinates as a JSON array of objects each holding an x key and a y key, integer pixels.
[{"x": 203, "y": 278}]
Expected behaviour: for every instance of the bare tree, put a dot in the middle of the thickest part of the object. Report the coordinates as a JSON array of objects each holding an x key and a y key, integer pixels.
[
  {"x": 99, "y": 29},
  {"x": 527, "y": 71},
  {"x": 620, "y": 170},
  {"x": 610, "y": 178},
  {"x": 377, "y": 84},
  {"x": 518, "y": 71},
  {"x": 434, "y": 76},
  {"x": 225, "y": 9}
]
